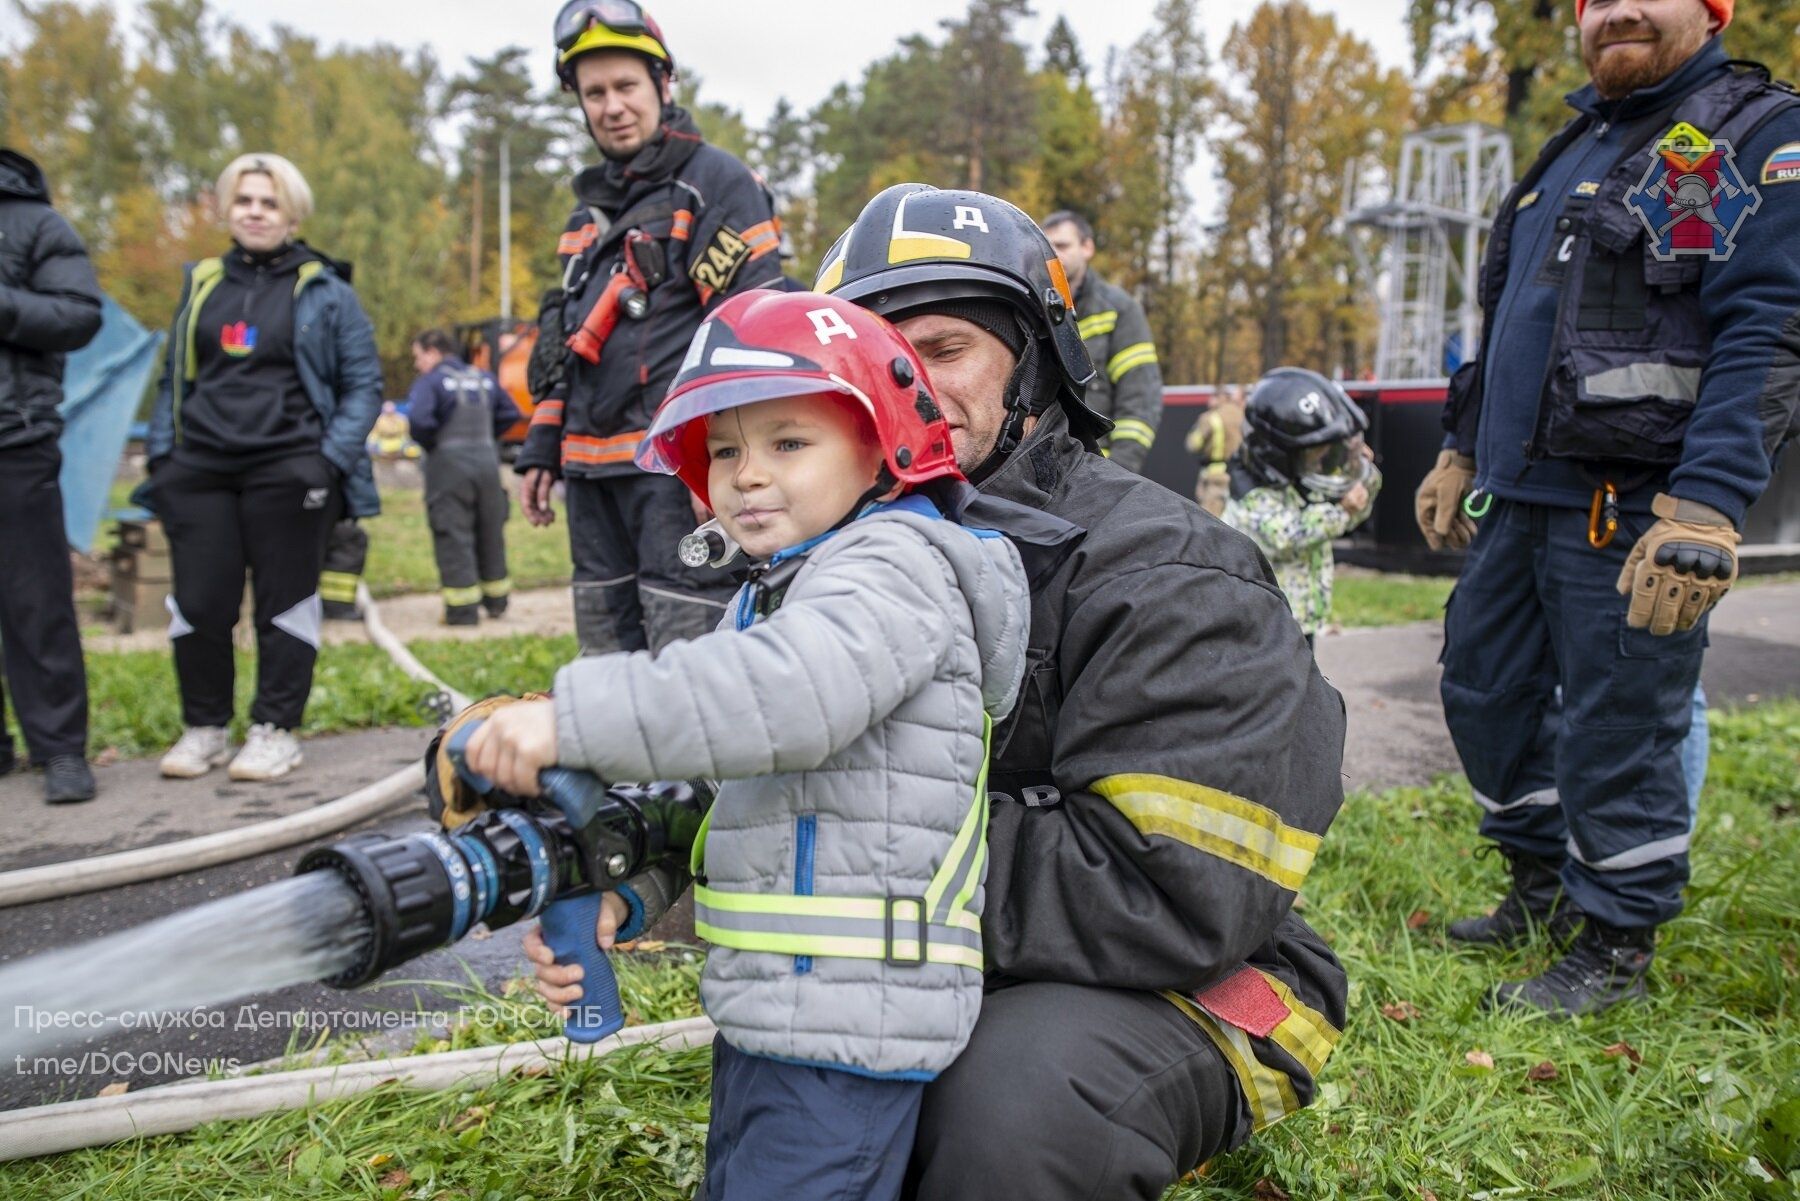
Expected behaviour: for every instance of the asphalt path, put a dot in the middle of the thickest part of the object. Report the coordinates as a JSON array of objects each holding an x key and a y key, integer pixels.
[{"x": 1396, "y": 736}]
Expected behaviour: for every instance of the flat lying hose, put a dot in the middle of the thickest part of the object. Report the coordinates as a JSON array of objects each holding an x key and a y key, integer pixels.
[
  {"x": 172, "y": 1108},
  {"x": 74, "y": 876}
]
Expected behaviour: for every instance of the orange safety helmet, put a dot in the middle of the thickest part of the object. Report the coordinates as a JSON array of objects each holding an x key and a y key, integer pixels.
[{"x": 766, "y": 345}]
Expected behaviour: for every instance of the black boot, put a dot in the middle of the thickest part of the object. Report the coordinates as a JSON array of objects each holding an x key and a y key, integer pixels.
[
  {"x": 462, "y": 615},
  {"x": 66, "y": 779},
  {"x": 495, "y": 605},
  {"x": 1535, "y": 901},
  {"x": 1605, "y": 965}
]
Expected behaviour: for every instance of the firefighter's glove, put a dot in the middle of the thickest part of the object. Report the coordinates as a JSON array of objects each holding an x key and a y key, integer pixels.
[
  {"x": 1681, "y": 567},
  {"x": 1438, "y": 503},
  {"x": 447, "y": 795}
]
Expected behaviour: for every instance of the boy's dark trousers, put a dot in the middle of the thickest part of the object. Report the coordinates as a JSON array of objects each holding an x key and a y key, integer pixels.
[
  {"x": 273, "y": 518},
  {"x": 782, "y": 1131},
  {"x": 38, "y": 631}
]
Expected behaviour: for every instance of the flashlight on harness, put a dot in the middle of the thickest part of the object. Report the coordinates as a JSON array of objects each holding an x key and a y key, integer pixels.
[
  {"x": 708, "y": 546},
  {"x": 627, "y": 292},
  {"x": 549, "y": 857}
]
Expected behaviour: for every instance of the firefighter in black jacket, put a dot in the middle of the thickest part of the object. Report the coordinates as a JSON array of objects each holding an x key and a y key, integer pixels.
[
  {"x": 49, "y": 306},
  {"x": 1160, "y": 791},
  {"x": 457, "y": 413},
  {"x": 662, "y": 230}
]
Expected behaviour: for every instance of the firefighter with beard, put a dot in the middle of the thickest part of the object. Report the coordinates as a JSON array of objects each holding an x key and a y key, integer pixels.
[
  {"x": 663, "y": 229},
  {"x": 1159, "y": 793},
  {"x": 1635, "y": 383}
]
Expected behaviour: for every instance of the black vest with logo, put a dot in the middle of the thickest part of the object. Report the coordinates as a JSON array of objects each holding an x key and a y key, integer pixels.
[{"x": 1630, "y": 341}]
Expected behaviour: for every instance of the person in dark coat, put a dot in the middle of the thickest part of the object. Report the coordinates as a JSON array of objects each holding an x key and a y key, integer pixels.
[{"x": 49, "y": 306}]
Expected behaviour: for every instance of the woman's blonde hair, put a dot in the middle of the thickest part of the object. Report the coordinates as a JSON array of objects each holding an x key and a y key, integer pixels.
[{"x": 291, "y": 190}]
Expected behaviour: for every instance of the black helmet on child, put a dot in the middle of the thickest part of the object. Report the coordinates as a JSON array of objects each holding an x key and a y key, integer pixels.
[
  {"x": 1300, "y": 431},
  {"x": 583, "y": 26},
  {"x": 915, "y": 248}
]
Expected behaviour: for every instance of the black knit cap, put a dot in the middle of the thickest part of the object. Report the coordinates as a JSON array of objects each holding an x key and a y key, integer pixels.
[{"x": 995, "y": 316}]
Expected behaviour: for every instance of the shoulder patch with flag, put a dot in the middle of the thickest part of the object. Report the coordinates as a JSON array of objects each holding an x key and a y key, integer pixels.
[{"x": 1783, "y": 165}]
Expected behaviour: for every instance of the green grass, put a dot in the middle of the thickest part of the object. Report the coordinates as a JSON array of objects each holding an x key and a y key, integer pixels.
[
  {"x": 400, "y": 558},
  {"x": 134, "y": 707},
  {"x": 1361, "y": 598},
  {"x": 1403, "y": 1113}
]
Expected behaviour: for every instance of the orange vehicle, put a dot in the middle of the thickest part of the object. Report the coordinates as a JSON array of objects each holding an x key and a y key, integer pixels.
[{"x": 504, "y": 348}]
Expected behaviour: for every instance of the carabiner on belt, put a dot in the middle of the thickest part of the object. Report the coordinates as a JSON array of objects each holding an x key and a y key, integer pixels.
[
  {"x": 1603, "y": 516},
  {"x": 1473, "y": 510}
]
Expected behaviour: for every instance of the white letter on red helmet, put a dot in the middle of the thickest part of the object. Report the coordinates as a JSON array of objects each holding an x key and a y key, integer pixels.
[{"x": 828, "y": 324}]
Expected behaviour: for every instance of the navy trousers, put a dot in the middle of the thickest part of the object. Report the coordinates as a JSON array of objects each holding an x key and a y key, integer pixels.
[
  {"x": 1594, "y": 782},
  {"x": 784, "y": 1131}
]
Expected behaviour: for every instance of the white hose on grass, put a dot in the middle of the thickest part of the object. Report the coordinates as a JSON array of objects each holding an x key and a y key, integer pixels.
[{"x": 173, "y": 1108}]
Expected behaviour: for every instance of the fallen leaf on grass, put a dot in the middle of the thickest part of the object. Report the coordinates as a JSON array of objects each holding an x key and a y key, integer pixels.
[
  {"x": 398, "y": 1178},
  {"x": 1426, "y": 1194},
  {"x": 376, "y": 1160},
  {"x": 1627, "y": 1050},
  {"x": 1267, "y": 1190},
  {"x": 1400, "y": 1011},
  {"x": 1543, "y": 1071},
  {"x": 107, "y": 757},
  {"x": 115, "y": 1089},
  {"x": 1479, "y": 1059},
  {"x": 1418, "y": 919},
  {"x": 472, "y": 1116}
]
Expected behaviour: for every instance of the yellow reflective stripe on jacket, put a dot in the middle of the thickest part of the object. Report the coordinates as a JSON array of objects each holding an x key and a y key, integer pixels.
[
  {"x": 1304, "y": 1033},
  {"x": 1268, "y": 1090},
  {"x": 1138, "y": 354},
  {"x": 1095, "y": 324},
  {"x": 462, "y": 596},
  {"x": 337, "y": 585},
  {"x": 1133, "y": 430},
  {"x": 1230, "y": 827},
  {"x": 860, "y": 927}
]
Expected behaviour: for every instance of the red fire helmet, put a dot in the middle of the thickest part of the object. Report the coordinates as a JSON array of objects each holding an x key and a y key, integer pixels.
[{"x": 767, "y": 345}]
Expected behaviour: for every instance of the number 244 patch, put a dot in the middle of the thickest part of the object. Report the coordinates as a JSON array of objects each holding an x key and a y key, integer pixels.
[{"x": 715, "y": 267}]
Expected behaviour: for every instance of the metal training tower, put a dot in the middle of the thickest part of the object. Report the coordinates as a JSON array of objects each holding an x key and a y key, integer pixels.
[{"x": 1450, "y": 183}]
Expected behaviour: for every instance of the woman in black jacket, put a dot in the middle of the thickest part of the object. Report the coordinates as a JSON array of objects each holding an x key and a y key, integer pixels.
[{"x": 256, "y": 448}]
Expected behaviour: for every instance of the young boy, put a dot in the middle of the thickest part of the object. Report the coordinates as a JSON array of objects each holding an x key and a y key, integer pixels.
[
  {"x": 845, "y": 702},
  {"x": 1302, "y": 477}
]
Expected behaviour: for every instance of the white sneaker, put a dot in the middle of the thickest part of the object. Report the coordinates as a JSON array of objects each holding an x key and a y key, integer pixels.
[
  {"x": 268, "y": 754},
  {"x": 196, "y": 752}
]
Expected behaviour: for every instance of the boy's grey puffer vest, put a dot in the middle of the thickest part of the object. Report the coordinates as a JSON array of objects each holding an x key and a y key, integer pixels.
[{"x": 849, "y": 726}]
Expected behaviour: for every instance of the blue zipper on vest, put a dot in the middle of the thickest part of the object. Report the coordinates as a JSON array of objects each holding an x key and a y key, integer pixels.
[{"x": 806, "y": 830}]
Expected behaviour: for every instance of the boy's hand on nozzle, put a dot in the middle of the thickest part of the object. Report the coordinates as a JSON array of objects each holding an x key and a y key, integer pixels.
[
  {"x": 514, "y": 744},
  {"x": 561, "y": 986},
  {"x": 1357, "y": 499}
]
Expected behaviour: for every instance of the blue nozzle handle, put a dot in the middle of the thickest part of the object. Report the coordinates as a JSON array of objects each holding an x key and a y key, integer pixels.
[{"x": 569, "y": 931}]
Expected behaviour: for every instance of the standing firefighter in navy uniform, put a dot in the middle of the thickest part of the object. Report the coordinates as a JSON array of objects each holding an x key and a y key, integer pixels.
[
  {"x": 1641, "y": 297},
  {"x": 664, "y": 229},
  {"x": 457, "y": 413},
  {"x": 1127, "y": 385}
]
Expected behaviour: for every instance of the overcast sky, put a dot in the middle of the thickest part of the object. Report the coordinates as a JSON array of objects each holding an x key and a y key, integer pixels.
[{"x": 749, "y": 55}]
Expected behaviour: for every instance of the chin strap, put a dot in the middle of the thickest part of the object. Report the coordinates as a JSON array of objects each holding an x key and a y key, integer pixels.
[{"x": 1029, "y": 391}]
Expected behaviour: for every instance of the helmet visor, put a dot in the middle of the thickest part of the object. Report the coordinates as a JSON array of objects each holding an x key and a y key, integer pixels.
[
  {"x": 1333, "y": 469},
  {"x": 620, "y": 16},
  {"x": 670, "y": 439}
]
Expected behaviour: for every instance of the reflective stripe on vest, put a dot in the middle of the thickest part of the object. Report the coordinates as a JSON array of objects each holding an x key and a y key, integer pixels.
[{"x": 934, "y": 928}]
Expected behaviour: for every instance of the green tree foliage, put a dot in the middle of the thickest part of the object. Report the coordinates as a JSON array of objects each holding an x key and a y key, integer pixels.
[{"x": 1309, "y": 103}]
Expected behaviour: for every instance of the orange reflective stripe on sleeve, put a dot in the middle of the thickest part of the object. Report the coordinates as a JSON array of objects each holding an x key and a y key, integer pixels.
[
  {"x": 548, "y": 412},
  {"x": 577, "y": 240},
  {"x": 764, "y": 238},
  {"x": 584, "y": 448},
  {"x": 684, "y": 225}
]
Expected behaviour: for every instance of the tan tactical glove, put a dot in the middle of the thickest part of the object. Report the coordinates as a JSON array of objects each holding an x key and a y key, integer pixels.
[
  {"x": 1438, "y": 503},
  {"x": 1681, "y": 567},
  {"x": 448, "y": 797}
]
